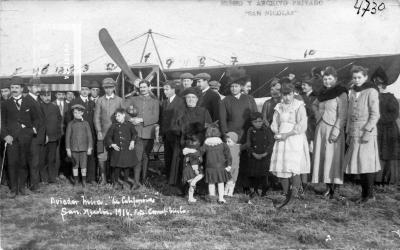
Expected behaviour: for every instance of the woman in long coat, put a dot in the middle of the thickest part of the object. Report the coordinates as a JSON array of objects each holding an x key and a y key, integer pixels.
[
  {"x": 362, "y": 156},
  {"x": 235, "y": 110},
  {"x": 329, "y": 141},
  {"x": 388, "y": 131}
]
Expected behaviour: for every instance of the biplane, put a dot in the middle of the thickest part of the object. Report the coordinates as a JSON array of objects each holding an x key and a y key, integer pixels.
[{"x": 260, "y": 73}]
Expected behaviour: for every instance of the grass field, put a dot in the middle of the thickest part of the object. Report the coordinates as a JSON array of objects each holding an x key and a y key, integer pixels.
[{"x": 35, "y": 222}]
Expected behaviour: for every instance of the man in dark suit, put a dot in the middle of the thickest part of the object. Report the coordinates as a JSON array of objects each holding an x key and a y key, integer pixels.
[
  {"x": 18, "y": 119},
  {"x": 39, "y": 139},
  {"x": 88, "y": 116},
  {"x": 64, "y": 167},
  {"x": 209, "y": 99},
  {"x": 52, "y": 121},
  {"x": 171, "y": 109}
]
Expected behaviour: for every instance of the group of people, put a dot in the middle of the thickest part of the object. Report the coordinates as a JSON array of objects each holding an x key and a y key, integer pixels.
[{"x": 312, "y": 130}]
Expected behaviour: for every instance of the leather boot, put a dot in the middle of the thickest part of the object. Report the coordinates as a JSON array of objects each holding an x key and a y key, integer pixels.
[
  {"x": 103, "y": 178},
  {"x": 73, "y": 180},
  {"x": 83, "y": 181}
]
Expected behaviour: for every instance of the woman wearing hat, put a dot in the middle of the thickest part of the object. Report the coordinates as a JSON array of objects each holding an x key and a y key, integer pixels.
[
  {"x": 194, "y": 118},
  {"x": 388, "y": 131},
  {"x": 329, "y": 141}
]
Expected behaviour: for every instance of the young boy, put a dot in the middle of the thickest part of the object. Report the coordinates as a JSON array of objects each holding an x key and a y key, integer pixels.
[
  {"x": 52, "y": 121},
  {"x": 78, "y": 142},
  {"x": 121, "y": 139}
]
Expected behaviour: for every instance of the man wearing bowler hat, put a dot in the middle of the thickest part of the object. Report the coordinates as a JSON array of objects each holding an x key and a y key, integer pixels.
[
  {"x": 94, "y": 91},
  {"x": 18, "y": 120},
  {"x": 208, "y": 99},
  {"x": 103, "y": 115},
  {"x": 88, "y": 115},
  {"x": 5, "y": 89}
]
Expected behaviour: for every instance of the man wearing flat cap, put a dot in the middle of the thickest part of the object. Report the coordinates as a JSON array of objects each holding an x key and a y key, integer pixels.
[
  {"x": 187, "y": 80},
  {"x": 38, "y": 141},
  {"x": 88, "y": 115},
  {"x": 18, "y": 120},
  {"x": 103, "y": 115},
  {"x": 171, "y": 109},
  {"x": 208, "y": 99}
]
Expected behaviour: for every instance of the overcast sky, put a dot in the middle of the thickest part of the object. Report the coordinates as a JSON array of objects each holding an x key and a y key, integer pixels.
[{"x": 35, "y": 33}]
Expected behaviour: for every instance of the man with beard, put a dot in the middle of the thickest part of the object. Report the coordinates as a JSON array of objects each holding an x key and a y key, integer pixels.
[
  {"x": 146, "y": 125},
  {"x": 39, "y": 139},
  {"x": 18, "y": 120}
]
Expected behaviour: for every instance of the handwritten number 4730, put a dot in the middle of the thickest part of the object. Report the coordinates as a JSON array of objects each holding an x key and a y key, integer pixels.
[{"x": 374, "y": 9}]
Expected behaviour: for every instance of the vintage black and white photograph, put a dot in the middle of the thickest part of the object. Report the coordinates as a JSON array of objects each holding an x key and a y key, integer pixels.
[{"x": 200, "y": 124}]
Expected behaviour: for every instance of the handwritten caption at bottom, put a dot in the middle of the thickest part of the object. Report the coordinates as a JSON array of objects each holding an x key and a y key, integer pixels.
[{"x": 124, "y": 206}]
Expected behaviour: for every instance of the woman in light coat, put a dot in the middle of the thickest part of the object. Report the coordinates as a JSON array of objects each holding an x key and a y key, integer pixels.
[
  {"x": 329, "y": 141},
  {"x": 362, "y": 156}
]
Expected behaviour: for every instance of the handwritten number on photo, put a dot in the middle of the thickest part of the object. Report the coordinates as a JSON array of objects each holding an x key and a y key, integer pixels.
[{"x": 359, "y": 4}]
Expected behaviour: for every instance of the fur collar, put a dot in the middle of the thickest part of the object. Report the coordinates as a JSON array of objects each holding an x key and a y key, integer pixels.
[{"x": 213, "y": 141}]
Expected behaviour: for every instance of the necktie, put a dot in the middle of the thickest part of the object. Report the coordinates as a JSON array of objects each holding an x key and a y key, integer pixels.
[{"x": 18, "y": 102}]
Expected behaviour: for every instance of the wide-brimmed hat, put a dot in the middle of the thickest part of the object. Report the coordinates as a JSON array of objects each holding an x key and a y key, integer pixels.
[
  {"x": 236, "y": 75},
  {"x": 192, "y": 90},
  {"x": 380, "y": 73}
]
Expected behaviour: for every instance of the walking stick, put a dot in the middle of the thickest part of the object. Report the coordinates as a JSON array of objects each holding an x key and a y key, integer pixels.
[{"x": 4, "y": 158}]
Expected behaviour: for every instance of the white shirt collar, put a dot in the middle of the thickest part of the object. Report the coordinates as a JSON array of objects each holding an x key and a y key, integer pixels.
[
  {"x": 110, "y": 97},
  {"x": 171, "y": 98},
  {"x": 238, "y": 96},
  {"x": 33, "y": 96},
  {"x": 18, "y": 97},
  {"x": 204, "y": 90},
  {"x": 309, "y": 93},
  {"x": 85, "y": 99}
]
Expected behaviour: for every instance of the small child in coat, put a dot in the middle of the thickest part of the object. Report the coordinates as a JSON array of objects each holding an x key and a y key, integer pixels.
[
  {"x": 234, "y": 148},
  {"x": 192, "y": 165},
  {"x": 121, "y": 139},
  {"x": 218, "y": 161},
  {"x": 78, "y": 142},
  {"x": 259, "y": 144}
]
